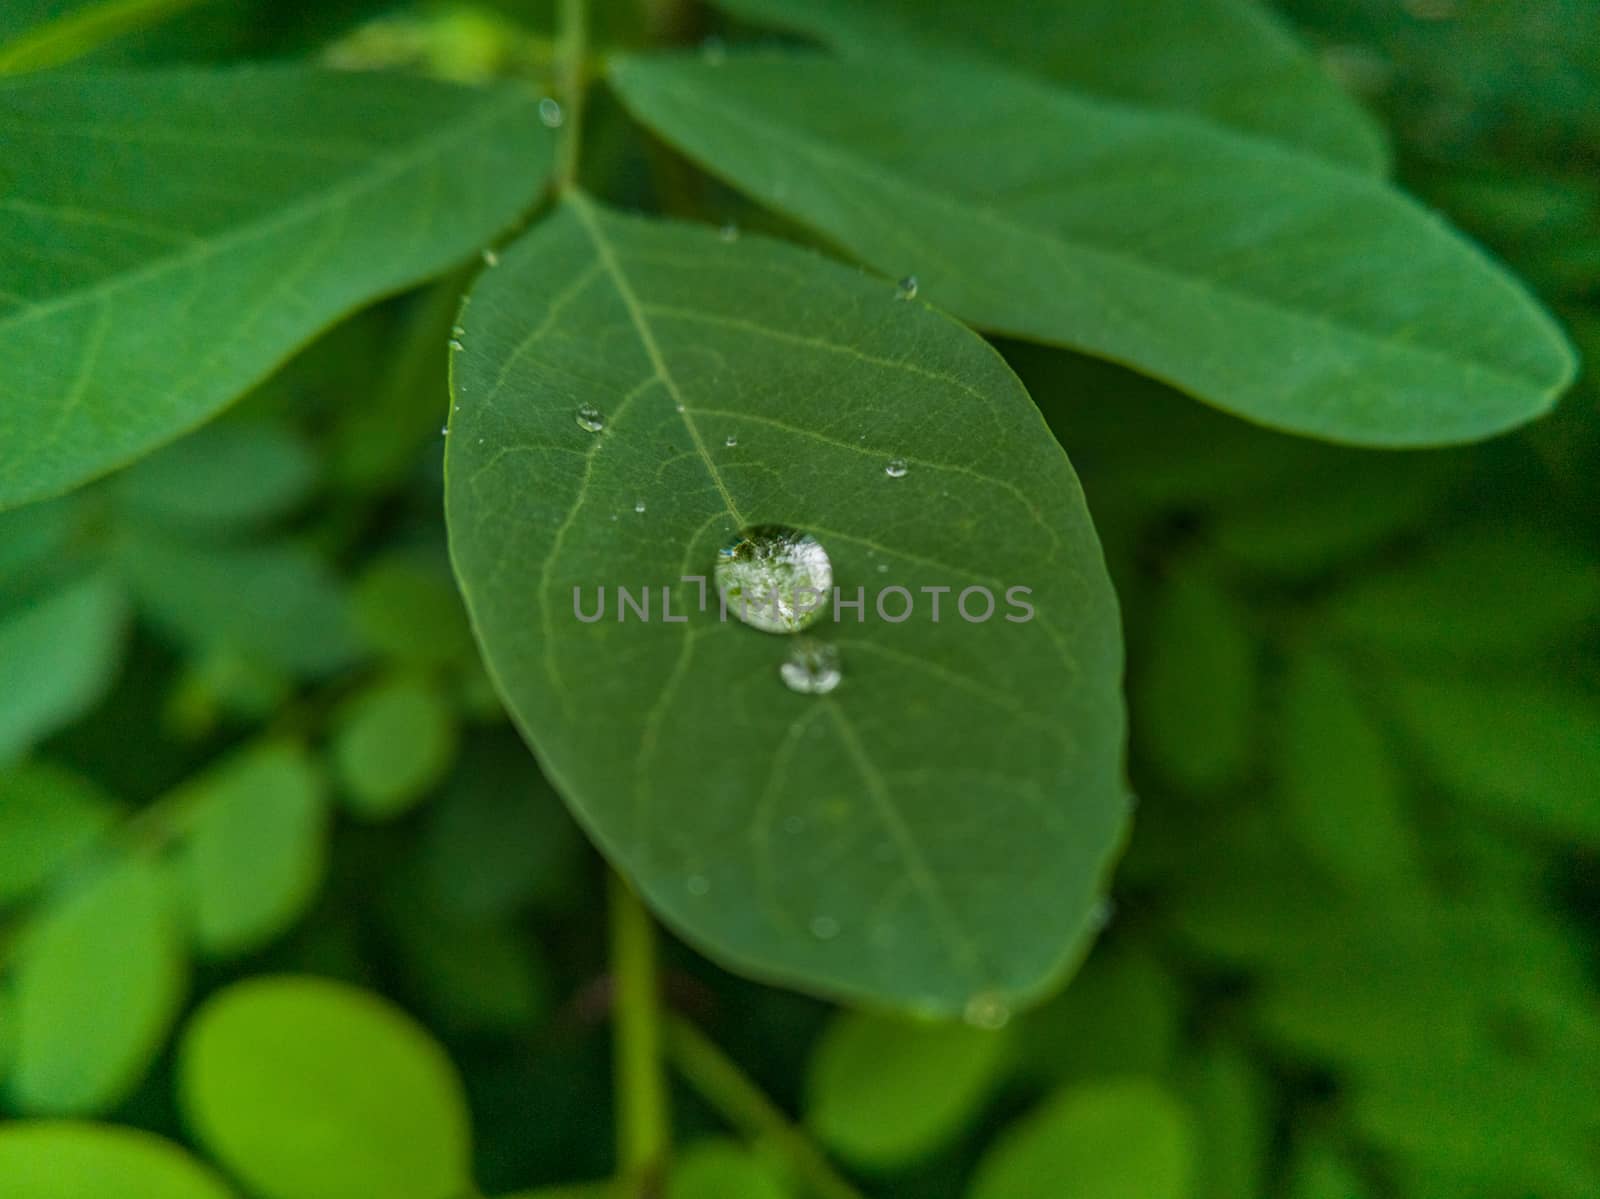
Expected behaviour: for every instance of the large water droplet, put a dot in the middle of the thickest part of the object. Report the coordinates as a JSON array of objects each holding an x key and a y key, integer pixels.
[
  {"x": 896, "y": 469},
  {"x": 775, "y": 578},
  {"x": 908, "y": 288},
  {"x": 550, "y": 113},
  {"x": 987, "y": 1009},
  {"x": 812, "y": 668},
  {"x": 591, "y": 418}
]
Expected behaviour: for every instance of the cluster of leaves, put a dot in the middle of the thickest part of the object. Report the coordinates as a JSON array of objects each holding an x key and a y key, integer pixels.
[{"x": 1347, "y": 955}]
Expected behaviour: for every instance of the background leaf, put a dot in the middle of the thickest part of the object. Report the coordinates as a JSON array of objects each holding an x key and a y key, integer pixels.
[
  {"x": 827, "y": 840},
  {"x": 1264, "y": 282},
  {"x": 177, "y": 257},
  {"x": 1227, "y": 60},
  {"x": 308, "y": 1089},
  {"x": 100, "y": 979},
  {"x": 48, "y": 816},
  {"x": 59, "y": 1159}
]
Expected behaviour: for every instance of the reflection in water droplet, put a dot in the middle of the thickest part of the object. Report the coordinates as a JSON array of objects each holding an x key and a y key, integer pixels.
[
  {"x": 697, "y": 884},
  {"x": 490, "y": 257},
  {"x": 812, "y": 668},
  {"x": 987, "y": 1009},
  {"x": 896, "y": 469},
  {"x": 591, "y": 419},
  {"x": 908, "y": 288},
  {"x": 638, "y": 505},
  {"x": 733, "y": 440},
  {"x": 824, "y": 928},
  {"x": 775, "y": 578},
  {"x": 550, "y": 113}
]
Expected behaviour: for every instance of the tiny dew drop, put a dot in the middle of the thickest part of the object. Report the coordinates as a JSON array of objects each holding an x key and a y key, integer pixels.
[
  {"x": 729, "y": 232},
  {"x": 987, "y": 1009},
  {"x": 550, "y": 113},
  {"x": 697, "y": 884},
  {"x": 907, "y": 289},
  {"x": 490, "y": 257},
  {"x": 812, "y": 668},
  {"x": 775, "y": 578},
  {"x": 591, "y": 419},
  {"x": 638, "y": 505},
  {"x": 896, "y": 469},
  {"x": 732, "y": 440},
  {"x": 456, "y": 345},
  {"x": 824, "y": 928}
]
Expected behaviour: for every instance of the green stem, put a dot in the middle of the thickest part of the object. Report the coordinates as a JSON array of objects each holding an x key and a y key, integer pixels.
[
  {"x": 643, "y": 1135},
  {"x": 572, "y": 38},
  {"x": 720, "y": 1082}
]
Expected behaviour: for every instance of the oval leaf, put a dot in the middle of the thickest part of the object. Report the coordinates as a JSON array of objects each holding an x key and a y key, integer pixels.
[
  {"x": 189, "y": 229},
  {"x": 47, "y": 817},
  {"x": 256, "y": 849},
  {"x": 99, "y": 982},
  {"x": 62, "y": 1159},
  {"x": 937, "y": 826},
  {"x": 1263, "y": 281},
  {"x": 1227, "y": 60},
  {"x": 308, "y": 1089}
]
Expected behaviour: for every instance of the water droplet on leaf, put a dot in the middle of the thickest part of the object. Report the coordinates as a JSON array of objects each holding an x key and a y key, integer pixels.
[
  {"x": 591, "y": 419},
  {"x": 907, "y": 289},
  {"x": 732, "y": 440},
  {"x": 550, "y": 113},
  {"x": 775, "y": 578},
  {"x": 824, "y": 928},
  {"x": 638, "y": 505},
  {"x": 896, "y": 469},
  {"x": 729, "y": 232},
  {"x": 490, "y": 257},
  {"x": 697, "y": 884},
  {"x": 987, "y": 1009},
  {"x": 812, "y": 668}
]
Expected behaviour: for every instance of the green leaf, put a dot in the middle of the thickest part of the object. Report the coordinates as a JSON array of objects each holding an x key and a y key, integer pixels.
[
  {"x": 410, "y": 612},
  {"x": 255, "y": 849},
  {"x": 277, "y": 604},
  {"x": 1227, "y": 60},
  {"x": 1499, "y": 592},
  {"x": 58, "y": 655},
  {"x": 307, "y": 1089},
  {"x": 723, "y": 1169},
  {"x": 1123, "y": 1139},
  {"x": 393, "y": 743},
  {"x": 884, "y": 1091},
  {"x": 936, "y": 828},
  {"x": 1233, "y": 1124},
  {"x": 48, "y": 816},
  {"x": 1259, "y": 280},
  {"x": 189, "y": 229},
  {"x": 99, "y": 981},
  {"x": 219, "y": 478},
  {"x": 63, "y": 1159},
  {"x": 1525, "y": 751},
  {"x": 1341, "y": 787},
  {"x": 1196, "y": 707},
  {"x": 61, "y": 36}
]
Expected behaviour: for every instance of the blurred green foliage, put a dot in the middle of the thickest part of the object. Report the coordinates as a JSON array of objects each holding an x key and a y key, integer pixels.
[{"x": 258, "y": 800}]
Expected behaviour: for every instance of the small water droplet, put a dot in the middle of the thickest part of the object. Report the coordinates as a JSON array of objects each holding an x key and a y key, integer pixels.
[
  {"x": 456, "y": 345},
  {"x": 591, "y": 419},
  {"x": 490, "y": 257},
  {"x": 550, "y": 113},
  {"x": 638, "y": 505},
  {"x": 883, "y": 568},
  {"x": 907, "y": 288},
  {"x": 731, "y": 440},
  {"x": 775, "y": 578},
  {"x": 729, "y": 232},
  {"x": 444, "y": 430},
  {"x": 682, "y": 407},
  {"x": 896, "y": 469},
  {"x": 987, "y": 1009},
  {"x": 824, "y": 928},
  {"x": 812, "y": 668},
  {"x": 697, "y": 884}
]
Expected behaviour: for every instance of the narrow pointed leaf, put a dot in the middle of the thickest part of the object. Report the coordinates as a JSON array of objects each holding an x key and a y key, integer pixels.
[
  {"x": 1259, "y": 280},
  {"x": 1227, "y": 60},
  {"x": 186, "y": 230},
  {"x": 934, "y": 828}
]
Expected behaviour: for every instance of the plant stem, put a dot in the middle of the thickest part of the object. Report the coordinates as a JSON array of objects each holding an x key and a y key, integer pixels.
[
  {"x": 643, "y": 1135},
  {"x": 572, "y": 39},
  {"x": 723, "y": 1085}
]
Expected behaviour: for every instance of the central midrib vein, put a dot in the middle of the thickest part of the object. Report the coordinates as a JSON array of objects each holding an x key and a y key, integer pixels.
[{"x": 584, "y": 210}]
